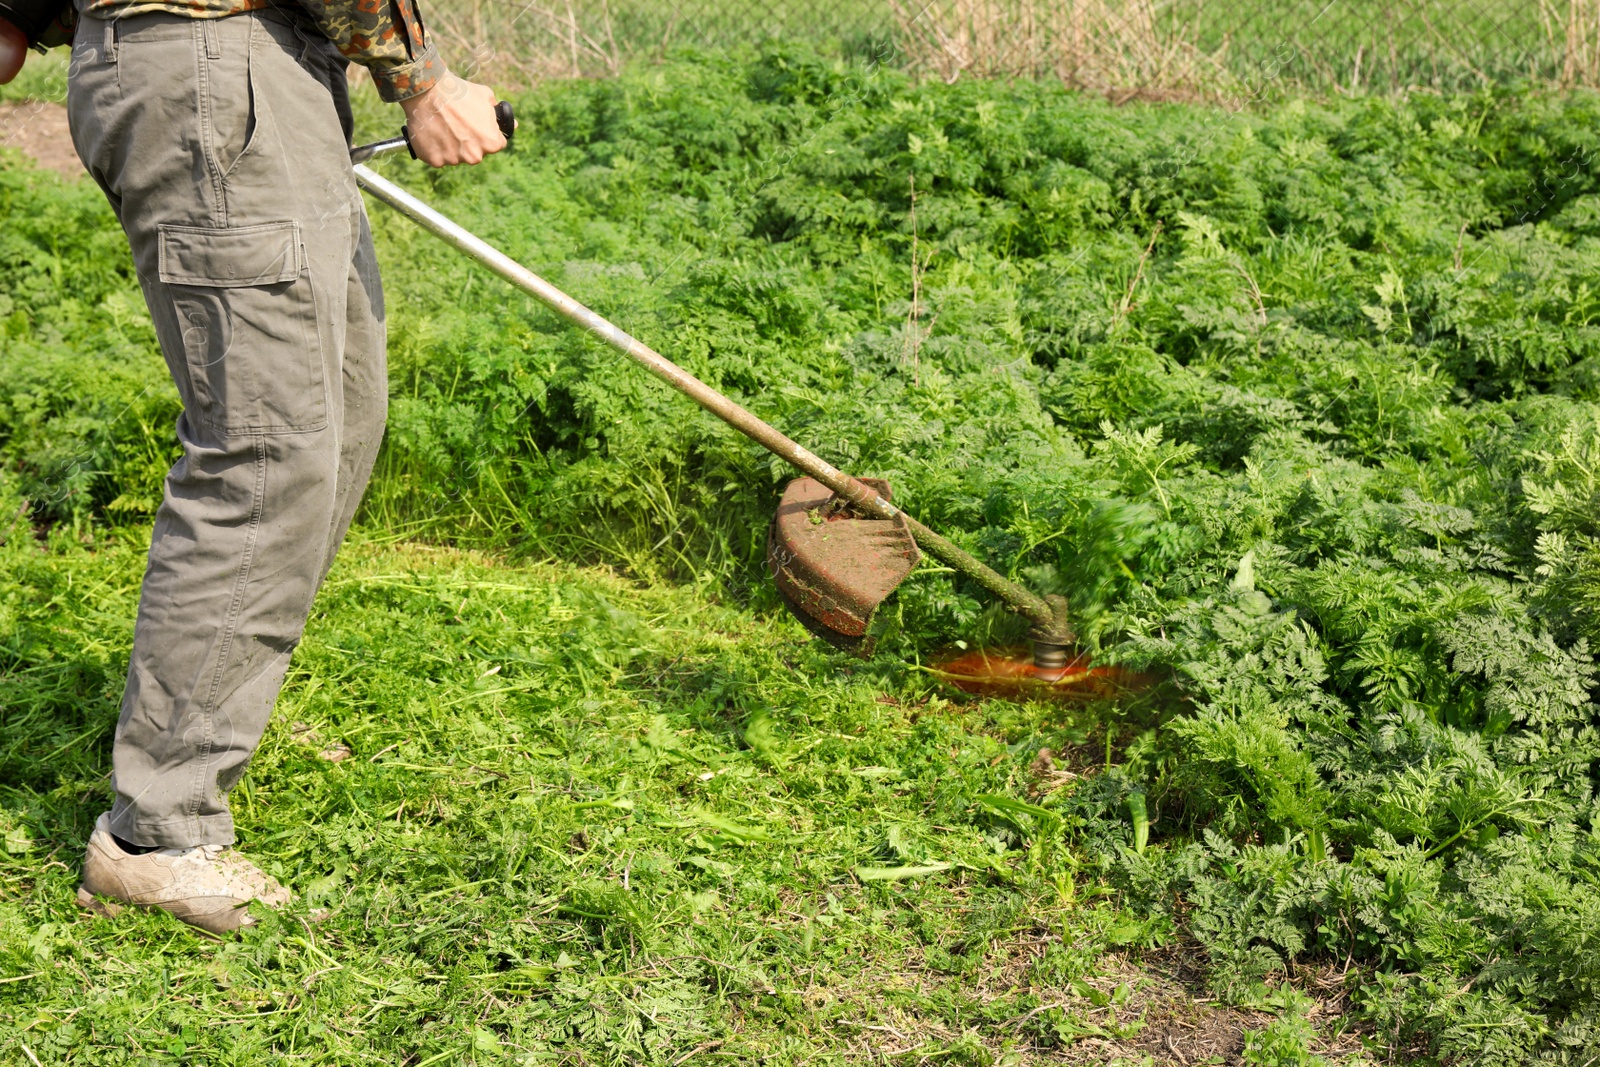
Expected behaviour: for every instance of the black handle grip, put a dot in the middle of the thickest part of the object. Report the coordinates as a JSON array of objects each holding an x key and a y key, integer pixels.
[{"x": 502, "y": 117}]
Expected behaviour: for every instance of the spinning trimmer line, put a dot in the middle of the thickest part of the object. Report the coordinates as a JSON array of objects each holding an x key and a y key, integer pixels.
[{"x": 837, "y": 547}]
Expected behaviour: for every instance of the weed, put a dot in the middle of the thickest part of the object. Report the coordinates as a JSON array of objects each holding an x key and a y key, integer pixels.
[{"x": 1297, "y": 411}]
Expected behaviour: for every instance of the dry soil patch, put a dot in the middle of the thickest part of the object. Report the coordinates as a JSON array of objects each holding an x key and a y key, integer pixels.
[{"x": 39, "y": 128}]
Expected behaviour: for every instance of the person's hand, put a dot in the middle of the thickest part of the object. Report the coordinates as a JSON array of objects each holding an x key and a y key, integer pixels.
[
  {"x": 13, "y": 50},
  {"x": 453, "y": 122}
]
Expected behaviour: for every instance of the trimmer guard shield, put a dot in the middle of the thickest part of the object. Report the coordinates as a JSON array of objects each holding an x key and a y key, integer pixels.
[{"x": 832, "y": 567}]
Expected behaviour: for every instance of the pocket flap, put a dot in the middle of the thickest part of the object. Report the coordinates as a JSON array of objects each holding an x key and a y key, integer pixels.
[{"x": 230, "y": 257}]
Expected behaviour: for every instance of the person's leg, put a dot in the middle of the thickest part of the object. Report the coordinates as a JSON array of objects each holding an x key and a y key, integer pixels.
[
  {"x": 363, "y": 389},
  {"x": 221, "y": 144},
  {"x": 360, "y": 390}
]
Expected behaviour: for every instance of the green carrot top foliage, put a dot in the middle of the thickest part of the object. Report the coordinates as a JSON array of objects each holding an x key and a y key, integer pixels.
[{"x": 1296, "y": 407}]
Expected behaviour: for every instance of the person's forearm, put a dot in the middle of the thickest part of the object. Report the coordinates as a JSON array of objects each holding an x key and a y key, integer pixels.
[
  {"x": 453, "y": 122},
  {"x": 450, "y": 120}
]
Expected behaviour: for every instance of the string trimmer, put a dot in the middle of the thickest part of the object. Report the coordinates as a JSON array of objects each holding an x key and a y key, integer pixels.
[{"x": 837, "y": 547}]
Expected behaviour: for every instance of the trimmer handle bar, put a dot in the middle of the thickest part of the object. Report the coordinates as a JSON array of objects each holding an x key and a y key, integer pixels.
[{"x": 360, "y": 154}]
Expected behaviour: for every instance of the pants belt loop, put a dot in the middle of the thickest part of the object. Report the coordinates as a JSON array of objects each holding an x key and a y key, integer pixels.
[
  {"x": 208, "y": 29},
  {"x": 108, "y": 46}
]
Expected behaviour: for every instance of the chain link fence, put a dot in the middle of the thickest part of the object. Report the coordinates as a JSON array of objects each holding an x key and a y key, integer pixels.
[{"x": 1170, "y": 48}]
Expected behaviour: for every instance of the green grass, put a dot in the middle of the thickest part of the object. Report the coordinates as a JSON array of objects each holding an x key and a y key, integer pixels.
[
  {"x": 1297, "y": 407},
  {"x": 1377, "y": 45},
  {"x": 582, "y": 821}
]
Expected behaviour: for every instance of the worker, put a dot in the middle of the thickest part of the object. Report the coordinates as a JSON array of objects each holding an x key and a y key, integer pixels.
[{"x": 220, "y": 131}]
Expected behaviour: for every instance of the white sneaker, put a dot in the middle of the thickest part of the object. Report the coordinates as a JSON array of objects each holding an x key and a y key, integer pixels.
[{"x": 206, "y": 886}]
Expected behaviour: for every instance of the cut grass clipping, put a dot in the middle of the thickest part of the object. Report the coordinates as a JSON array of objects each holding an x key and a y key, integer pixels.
[
  {"x": 1297, "y": 408},
  {"x": 541, "y": 813}
]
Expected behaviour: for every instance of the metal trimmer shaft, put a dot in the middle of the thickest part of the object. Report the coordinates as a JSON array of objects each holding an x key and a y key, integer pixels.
[{"x": 1051, "y": 631}]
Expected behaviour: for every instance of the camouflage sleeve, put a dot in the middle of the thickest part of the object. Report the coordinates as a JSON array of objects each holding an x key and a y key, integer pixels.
[{"x": 385, "y": 36}]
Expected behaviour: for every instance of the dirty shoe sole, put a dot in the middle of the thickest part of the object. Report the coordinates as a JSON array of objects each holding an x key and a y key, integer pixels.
[
  {"x": 110, "y": 909},
  {"x": 205, "y": 886}
]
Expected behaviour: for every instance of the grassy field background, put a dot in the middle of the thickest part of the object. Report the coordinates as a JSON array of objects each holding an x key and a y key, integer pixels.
[{"x": 1297, "y": 406}]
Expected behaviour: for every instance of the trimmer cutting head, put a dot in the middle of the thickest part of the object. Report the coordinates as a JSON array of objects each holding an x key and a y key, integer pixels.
[{"x": 834, "y": 566}]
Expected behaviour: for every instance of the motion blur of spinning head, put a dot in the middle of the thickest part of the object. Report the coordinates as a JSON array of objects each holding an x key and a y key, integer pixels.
[{"x": 1013, "y": 674}]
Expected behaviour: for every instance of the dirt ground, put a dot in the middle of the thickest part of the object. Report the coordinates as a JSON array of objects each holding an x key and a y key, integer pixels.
[
  {"x": 39, "y": 128},
  {"x": 1183, "y": 1027}
]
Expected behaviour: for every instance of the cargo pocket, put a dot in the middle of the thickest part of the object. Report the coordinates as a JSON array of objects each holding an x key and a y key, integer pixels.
[{"x": 248, "y": 317}]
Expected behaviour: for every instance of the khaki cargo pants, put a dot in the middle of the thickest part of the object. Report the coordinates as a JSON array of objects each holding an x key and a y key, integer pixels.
[{"x": 222, "y": 146}]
